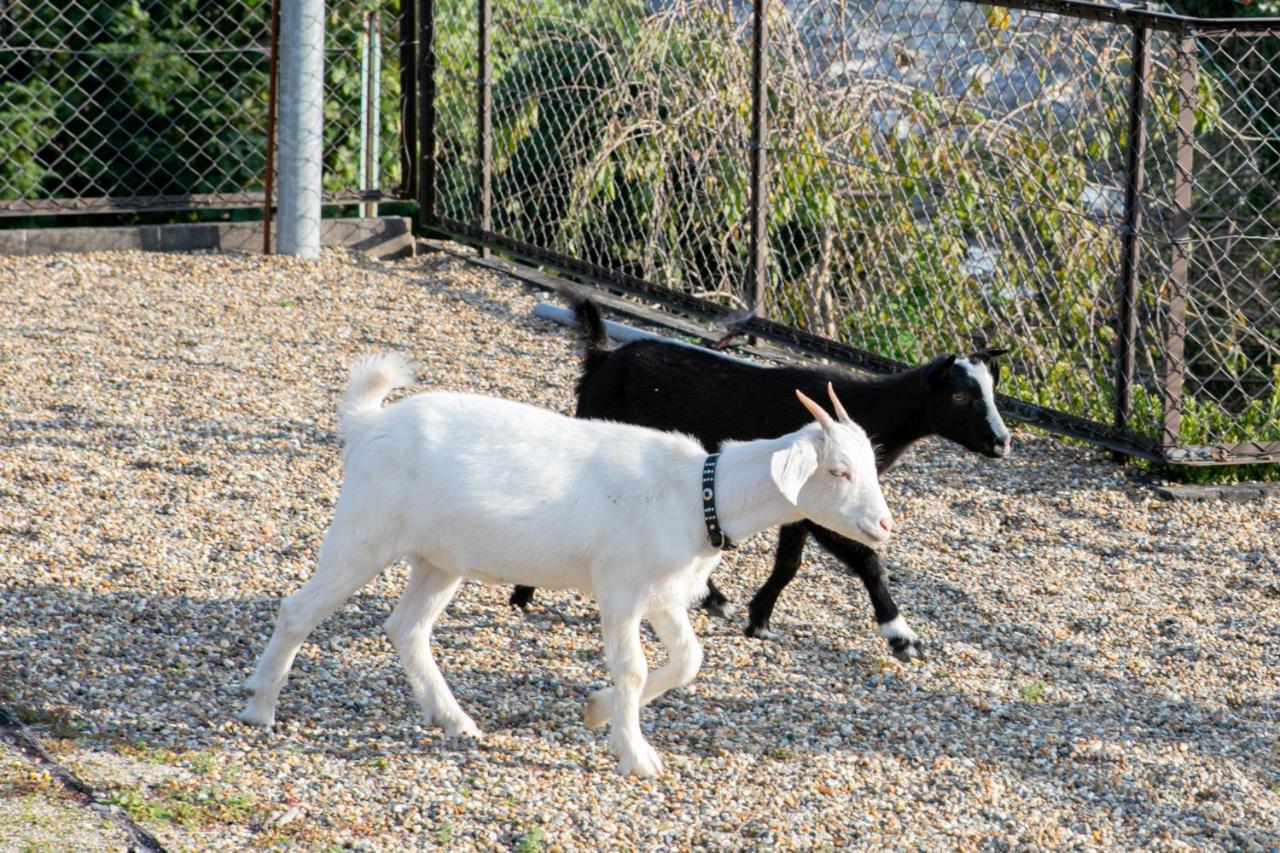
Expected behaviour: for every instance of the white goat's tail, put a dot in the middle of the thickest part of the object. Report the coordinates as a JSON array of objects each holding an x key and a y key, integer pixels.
[{"x": 372, "y": 379}]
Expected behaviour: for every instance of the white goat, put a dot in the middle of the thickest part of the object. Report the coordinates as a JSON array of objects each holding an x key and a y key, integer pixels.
[{"x": 473, "y": 487}]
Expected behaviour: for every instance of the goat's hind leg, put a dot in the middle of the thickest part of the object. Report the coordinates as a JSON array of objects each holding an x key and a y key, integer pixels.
[
  {"x": 684, "y": 659},
  {"x": 344, "y": 566},
  {"x": 429, "y": 591}
]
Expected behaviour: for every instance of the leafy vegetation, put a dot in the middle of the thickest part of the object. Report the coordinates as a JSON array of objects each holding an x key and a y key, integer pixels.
[
  {"x": 141, "y": 97},
  {"x": 902, "y": 219}
]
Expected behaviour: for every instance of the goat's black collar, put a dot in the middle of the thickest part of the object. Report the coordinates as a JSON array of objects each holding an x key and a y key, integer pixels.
[{"x": 714, "y": 532}]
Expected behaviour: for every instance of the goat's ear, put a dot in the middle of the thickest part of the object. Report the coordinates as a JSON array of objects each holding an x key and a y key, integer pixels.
[
  {"x": 990, "y": 353},
  {"x": 792, "y": 468},
  {"x": 937, "y": 372},
  {"x": 989, "y": 356}
]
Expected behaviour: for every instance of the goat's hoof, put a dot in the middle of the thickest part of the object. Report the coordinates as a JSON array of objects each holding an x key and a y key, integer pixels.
[
  {"x": 906, "y": 649},
  {"x": 723, "y": 608},
  {"x": 464, "y": 728},
  {"x": 761, "y": 632},
  {"x": 644, "y": 762},
  {"x": 599, "y": 708},
  {"x": 256, "y": 716}
]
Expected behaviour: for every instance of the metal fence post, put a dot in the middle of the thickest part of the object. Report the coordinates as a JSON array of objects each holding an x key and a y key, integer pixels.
[
  {"x": 1175, "y": 327},
  {"x": 484, "y": 118},
  {"x": 408, "y": 99},
  {"x": 426, "y": 112},
  {"x": 268, "y": 178},
  {"x": 1127, "y": 315},
  {"x": 757, "y": 268},
  {"x": 301, "y": 126}
]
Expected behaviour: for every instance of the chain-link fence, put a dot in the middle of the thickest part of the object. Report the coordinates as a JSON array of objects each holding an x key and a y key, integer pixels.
[
  {"x": 1095, "y": 187},
  {"x": 109, "y": 105}
]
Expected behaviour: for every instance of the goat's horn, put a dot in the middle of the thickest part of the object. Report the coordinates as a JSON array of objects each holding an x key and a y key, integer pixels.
[
  {"x": 819, "y": 414},
  {"x": 841, "y": 414}
]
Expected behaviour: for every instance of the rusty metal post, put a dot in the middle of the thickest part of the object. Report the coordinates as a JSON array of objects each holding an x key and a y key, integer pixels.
[
  {"x": 484, "y": 119},
  {"x": 426, "y": 113},
  {"x": 1175, "y": 326},
  {"x": 757, "y": 271},
  {"x": 408, "y": 99},
  {"x": 268, "y": 177},
  {"x": 1127, "y": 315}
]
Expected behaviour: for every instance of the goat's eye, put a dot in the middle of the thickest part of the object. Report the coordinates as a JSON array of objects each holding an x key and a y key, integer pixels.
[
  {"x": 838, "y": 474},
  {"x": 960, "y": 396}
]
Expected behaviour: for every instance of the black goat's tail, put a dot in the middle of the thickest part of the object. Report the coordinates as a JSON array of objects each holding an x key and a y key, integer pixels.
[{"x": 594, "y": 335}]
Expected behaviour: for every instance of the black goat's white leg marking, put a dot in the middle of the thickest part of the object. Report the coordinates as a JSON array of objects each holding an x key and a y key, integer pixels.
[
  {"x": 865, "y": 563},
  {"x": 716, "y": 603},
  {"x": 902, "y": 640}
]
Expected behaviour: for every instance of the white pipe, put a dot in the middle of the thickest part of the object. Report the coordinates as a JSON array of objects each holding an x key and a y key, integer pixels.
[
  {"x": 622, "y": 334},
  {"x": 301, "y": 148}
]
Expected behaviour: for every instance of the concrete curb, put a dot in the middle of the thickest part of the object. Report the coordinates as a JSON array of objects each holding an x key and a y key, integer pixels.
[
  {"x": 1234, "y": 492},
  {"x": 384, "y": 238}
]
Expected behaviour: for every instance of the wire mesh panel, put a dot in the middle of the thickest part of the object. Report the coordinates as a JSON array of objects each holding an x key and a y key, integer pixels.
[
  {"x": 139, "y": 105},
  {"x": 1230, "y": 404},
  {"x": 951, "y": 174},
  {"x": 938, "y": 175}
]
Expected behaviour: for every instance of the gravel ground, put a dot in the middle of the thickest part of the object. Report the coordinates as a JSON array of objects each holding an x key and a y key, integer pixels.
[{"x": 1104, "y": 667}]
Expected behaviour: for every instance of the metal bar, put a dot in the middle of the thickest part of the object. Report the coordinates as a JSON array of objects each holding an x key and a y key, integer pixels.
[
  {"x": 426, "y": 113},
  {"x": 484, "y": 118},
  {"x": 624, "y": 334},
  {"x": 1052, "y": 420},
  {"x": 375, "y": 112},
  {"x": 1127, "y": 286},
  {"x": 268, "y": 177},
  {"x": 366, "y": 39},
  {"x": 757, "y": 266},
  {"x": 1175, "y": 325},
  {"x": 408, "y": 98},
  {"x": 167, "y": 203},
  {"x": 1135, "y": 16}
]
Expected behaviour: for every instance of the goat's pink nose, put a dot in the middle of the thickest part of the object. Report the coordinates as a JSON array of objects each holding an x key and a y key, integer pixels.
[{"x": 886, "y": 524}]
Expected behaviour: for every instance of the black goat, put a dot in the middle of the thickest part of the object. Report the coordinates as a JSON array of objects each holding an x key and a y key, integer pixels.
[{"x": 673, "y": 387}]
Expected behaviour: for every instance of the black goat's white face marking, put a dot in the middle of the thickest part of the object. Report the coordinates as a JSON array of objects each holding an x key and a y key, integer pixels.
[
  {"x": 981, "y": 375},
  {"x": 968, "y": 412}
]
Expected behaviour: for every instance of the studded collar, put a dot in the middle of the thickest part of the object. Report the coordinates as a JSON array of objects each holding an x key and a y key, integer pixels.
[{"x": 715, "y": 532}]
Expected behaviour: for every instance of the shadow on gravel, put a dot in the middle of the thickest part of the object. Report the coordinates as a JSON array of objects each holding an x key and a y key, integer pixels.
[{"x": 153, "y": 669}]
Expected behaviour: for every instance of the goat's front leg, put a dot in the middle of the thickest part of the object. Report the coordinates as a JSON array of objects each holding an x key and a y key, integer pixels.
[
  {"x": 684, "y": 659},
  {"x": 791, "y": 541},
  {"x": 865, "y": 563},
  {"x": 627, "y": 667}
]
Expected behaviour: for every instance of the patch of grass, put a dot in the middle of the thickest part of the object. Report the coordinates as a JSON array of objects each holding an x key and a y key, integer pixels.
[
  {"x": 202, "y": 763},
  {"x": 284, "y": 303},
  {"x": 530, "y": 842},
  {"x": 186, "y": 805},
  {"x": 1033, "y": 692},
  {"x": 443, "y": 834},
  {"x": 57, "y": 718}
]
